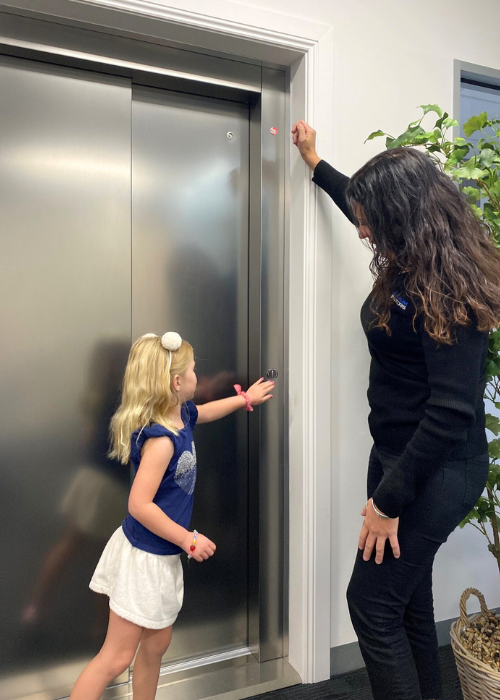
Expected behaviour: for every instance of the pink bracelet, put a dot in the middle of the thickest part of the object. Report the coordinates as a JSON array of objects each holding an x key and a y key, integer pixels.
[{"x": 248, "y": 403}]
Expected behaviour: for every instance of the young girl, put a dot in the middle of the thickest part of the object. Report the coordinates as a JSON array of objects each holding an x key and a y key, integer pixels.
[{"x": 140, "y": 568}]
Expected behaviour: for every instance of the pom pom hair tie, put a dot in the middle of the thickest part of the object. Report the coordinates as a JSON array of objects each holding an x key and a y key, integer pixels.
[{"x": 171, "y": 341}]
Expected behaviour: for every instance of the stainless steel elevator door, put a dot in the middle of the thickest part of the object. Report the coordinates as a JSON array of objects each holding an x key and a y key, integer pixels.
[
  {"x": 190, "y": 163},
  {"x": 65, "y": 320}
]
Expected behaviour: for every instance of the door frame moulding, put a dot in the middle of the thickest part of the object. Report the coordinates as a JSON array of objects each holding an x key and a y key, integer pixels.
[
  {"x": 308, "y": 328},
  {"x": 464, "y": 69}
]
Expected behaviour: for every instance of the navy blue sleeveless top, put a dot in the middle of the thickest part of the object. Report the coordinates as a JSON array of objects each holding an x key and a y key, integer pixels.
[{"x": 175, "y": 493}]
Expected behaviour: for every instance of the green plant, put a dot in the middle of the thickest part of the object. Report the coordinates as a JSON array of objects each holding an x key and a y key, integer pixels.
[{"x": 476, "y": 169}]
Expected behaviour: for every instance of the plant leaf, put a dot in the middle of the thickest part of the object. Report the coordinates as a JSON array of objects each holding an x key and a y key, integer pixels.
[
  {"x": 432, "y": 108},
  {"x": 473, "y": 515},
  {"x": 375, "y": 134},
  {"x": 475, "y": 124},
  {"x": 493, "y": 424},
  {"x": 493, "y": 476},
  {"x": 470, "y": 171},
  {"x": 472, "y": 194},
  {"x": 424, "y": 137},
  {"x": 487, "y": 157},
  {"x": 407, "y": 138},
  {"x": 493, "y": 368},
  {"x": 458, "y": 154},
  {"x": 494, "y": 448}
]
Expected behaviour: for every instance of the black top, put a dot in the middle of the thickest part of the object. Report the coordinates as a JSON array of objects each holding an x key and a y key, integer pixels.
[{"x": 426, "y": 399}]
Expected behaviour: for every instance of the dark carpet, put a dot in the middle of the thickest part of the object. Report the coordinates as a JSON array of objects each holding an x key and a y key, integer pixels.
[{"x": 355, "y": 686}]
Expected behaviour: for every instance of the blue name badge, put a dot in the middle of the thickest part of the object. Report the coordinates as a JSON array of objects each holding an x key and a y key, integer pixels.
[{"x": 398, "y": 299}]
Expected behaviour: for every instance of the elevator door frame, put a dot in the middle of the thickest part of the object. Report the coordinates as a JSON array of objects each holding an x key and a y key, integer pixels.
[
  {"x": 271, "y": 38},
  {"x": 264, "y": 90}
]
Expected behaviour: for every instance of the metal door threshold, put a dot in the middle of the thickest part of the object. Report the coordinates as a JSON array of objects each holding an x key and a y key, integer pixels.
[{"x": 238, "y": 678}]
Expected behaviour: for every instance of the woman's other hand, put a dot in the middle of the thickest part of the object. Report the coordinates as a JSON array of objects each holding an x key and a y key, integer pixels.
[
  {"x": 375, "y": 533},
  {"x": 304, "y": 137}
]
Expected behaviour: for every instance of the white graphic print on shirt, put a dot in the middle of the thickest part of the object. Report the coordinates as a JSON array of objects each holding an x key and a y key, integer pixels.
[{"x": 185, "y": 474}]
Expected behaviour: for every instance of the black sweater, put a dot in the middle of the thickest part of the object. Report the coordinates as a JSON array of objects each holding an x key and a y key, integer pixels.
[{"x": 426, "y": 400}]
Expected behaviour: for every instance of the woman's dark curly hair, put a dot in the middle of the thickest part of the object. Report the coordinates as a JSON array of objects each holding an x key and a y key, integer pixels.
[{"x": 421, "y": 224}]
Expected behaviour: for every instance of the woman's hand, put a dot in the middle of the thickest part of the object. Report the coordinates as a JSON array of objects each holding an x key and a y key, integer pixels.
[
  {"x": 375, "y": 533},
  {"x": 304, "y": 137},
  {"x": 259, "y": 392},
  {"x": 204, "y": 548}
]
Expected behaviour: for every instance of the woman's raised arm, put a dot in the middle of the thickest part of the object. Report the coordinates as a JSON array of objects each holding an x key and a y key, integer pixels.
[{"x": 325, "y": 176}]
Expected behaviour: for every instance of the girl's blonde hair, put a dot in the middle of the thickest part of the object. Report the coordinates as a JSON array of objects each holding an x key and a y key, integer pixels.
[{"x": 147, "y": 395}]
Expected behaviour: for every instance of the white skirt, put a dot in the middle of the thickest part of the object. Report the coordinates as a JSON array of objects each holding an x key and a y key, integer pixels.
[{"x": 146, "y": 589}]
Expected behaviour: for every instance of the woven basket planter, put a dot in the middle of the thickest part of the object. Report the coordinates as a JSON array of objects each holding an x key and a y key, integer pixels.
[{"x": 478, "y": 680}]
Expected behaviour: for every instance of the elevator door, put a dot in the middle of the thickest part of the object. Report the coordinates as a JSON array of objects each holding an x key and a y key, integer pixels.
[
  {"x": 65, "y": 286},
  {"x": 121, "y": 212},
  {"x": 190, "y": 161}
]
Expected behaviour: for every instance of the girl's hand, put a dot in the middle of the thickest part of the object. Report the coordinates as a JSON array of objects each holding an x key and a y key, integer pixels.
[
  {"x": 304, "y": 137},
  {"x": 375, "y": 533},
  {"x": 205, "y": 548},
  {"x": 259, "y": 392}
]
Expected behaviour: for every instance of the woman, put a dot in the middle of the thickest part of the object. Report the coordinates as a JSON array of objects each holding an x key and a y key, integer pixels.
[{"x": 436, "y": 295}]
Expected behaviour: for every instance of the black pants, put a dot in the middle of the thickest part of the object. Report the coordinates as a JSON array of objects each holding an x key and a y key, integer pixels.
[{"x": 391, "y": 604}]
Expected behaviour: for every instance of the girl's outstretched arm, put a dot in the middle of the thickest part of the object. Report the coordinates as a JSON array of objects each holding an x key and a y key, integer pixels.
[{"x": 214, "y": 410}]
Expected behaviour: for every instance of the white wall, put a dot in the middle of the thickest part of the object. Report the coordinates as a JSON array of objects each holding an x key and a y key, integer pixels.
[{"x": 384, "y": 58}]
